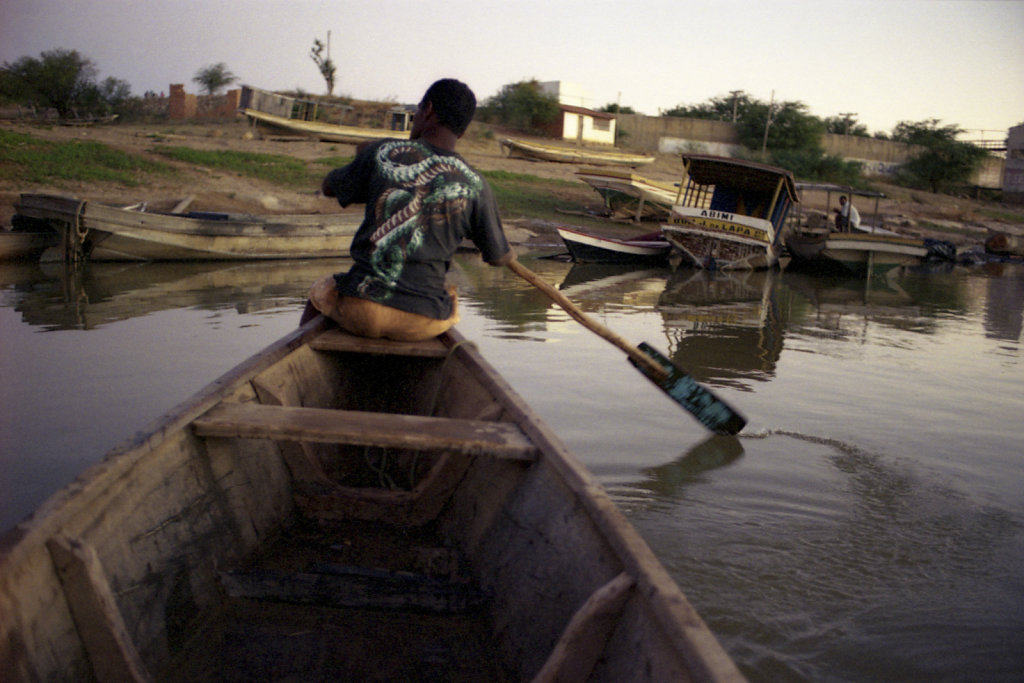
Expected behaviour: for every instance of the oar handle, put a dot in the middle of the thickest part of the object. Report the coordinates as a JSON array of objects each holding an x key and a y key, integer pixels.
[{"x": 642, "y": 359}]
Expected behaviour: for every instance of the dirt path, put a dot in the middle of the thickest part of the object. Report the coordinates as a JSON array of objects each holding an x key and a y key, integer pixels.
[{"x": 922, "y": 214}]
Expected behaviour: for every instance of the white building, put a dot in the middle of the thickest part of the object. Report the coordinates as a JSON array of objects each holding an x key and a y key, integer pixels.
[{"x": 579, "y": 122}]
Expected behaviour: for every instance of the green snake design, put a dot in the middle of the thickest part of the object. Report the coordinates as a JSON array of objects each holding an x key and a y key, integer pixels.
[{"x": 436, "y": 188}]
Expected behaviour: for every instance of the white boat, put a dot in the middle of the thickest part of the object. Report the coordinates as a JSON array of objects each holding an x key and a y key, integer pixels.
[
  {"x": 729, "y": 213},
  {"x": 588, "y": 248}
]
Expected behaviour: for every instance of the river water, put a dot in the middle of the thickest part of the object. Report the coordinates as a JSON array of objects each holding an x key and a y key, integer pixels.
[{"x": 868, "y": 524}]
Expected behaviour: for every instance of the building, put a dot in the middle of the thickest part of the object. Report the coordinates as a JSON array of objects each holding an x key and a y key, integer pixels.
[
  {"x": 578, "y": 121},
  {"x": 1013, "y": 169}
]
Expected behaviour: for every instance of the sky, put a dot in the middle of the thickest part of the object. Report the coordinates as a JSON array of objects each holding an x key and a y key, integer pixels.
[{"x": 885, "y": 61}]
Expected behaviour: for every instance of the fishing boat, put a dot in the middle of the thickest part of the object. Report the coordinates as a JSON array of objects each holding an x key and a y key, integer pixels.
[
  {"x": 536, "y": 151},
  {"x": 630, "y": 195},
  {"x": 589, "y": 248},
  {"x": 338, "y": 508},
  {"x": 102, "y": 232},
  {"x": 320, "y": 130},
  {"x": 860, "y": 253},
  {"x": 730, "y": 213}
]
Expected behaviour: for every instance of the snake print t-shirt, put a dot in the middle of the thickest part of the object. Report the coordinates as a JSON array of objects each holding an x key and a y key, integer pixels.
[{"x": 421, "y": 202}]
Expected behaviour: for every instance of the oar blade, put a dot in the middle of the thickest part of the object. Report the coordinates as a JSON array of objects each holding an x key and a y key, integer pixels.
[{"x": 701, "y": 402}]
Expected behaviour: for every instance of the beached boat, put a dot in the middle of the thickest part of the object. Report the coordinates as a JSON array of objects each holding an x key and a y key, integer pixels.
[
  {"x": 536, "y": 151},
  {"x": 103, "y": 232},
  {"x": 17, "y": 245},
  {"x": 338, "y": 508},
  {"x": 589, "y": 248},
  {"x": 730, "y": 213},
  {"x": 630, "y": 195},
  {"x": 327, "y": 132}
]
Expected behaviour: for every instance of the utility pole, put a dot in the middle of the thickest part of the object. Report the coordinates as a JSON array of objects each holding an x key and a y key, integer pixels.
[
  {"x": 847, "y": 119},
  {"x": 767, "y": 124},
  {"x": 735, "y": 94}
]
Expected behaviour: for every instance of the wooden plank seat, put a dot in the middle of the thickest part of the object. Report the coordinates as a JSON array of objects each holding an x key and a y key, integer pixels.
[
  {"x": 339, "y": 340},
  {"x": 360, "y": 428}
]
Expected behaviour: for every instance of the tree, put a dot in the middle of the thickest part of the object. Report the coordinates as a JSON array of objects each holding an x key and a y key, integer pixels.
[
  {"x": 845, "y": 124},
  {"x": 942, "y": 161},
  {"x": 59, "y": 79},
  {"x": 522, "y": 105},
  {"x": 721, "y": 108},
  {"x": 613, "y": 108},
  {"x": 324, "y": 64},
  {"x": 213, "y": 77}
]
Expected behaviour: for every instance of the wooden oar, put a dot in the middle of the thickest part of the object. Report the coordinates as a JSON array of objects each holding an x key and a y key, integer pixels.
[{"x": 710, "y": 411}]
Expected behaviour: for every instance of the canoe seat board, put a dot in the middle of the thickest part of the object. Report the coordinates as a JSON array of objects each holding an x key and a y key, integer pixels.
[
  {"x": 338, "y": 340},
  {"x": 360, "y": 428}
]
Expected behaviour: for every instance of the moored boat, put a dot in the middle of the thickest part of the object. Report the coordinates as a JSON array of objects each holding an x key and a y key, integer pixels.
[
  {"x": 338, "y": 508},
  {"x": 730, "y": 213},
  {"x": 17, "y": 245},
  {"x": 630, "y": 195},
  {"x": 860, "y": 253},
  {"x": 327, "y": 132},
  {"x": 103, "y": 232},
  {"x": 590, "y": 248},
  {"x": 536, "y": 151}
]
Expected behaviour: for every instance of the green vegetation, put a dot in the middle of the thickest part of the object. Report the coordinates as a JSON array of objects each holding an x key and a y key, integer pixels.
[
  {"x": 28, "y": 159},
  {"x": 213, "y": 77},
  {"x": 527, "y": 196},
  {"x": 63, "y": 80},
  {"x": 943, "y": 163},
  {"x": 521, "y": 106}
]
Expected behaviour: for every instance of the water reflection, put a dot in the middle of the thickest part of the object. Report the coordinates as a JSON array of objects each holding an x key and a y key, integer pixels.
[
  {"x": 90, "y": 295},
  {"x": 724, "y": 328}
]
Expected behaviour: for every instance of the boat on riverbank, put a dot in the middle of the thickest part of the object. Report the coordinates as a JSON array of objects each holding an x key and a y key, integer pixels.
[
  {"x": 327, "y": 132},
  {"x": 26, "y": 245},
  {"x": 730, "y": 213},
  {"x": 536, "y": 151},
  {"x": 328, "y": 495},
  {"x": 589, "y": 248},
  {"x": 630, "y": 195},
  {"x": 102, "y": 232},
  {"x": 863, "y": 253}
]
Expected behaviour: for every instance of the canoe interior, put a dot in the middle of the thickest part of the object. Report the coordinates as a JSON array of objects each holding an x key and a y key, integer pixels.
[{"x": 249, "y": 534}]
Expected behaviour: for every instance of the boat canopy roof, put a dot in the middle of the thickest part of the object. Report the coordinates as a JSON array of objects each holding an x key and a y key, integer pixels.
[
  {"x": 844, "y": 189},
  {"x": 738, "y": 173}
]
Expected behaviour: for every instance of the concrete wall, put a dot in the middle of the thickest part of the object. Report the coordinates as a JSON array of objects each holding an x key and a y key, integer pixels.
[{"x": 674, "y": 135}]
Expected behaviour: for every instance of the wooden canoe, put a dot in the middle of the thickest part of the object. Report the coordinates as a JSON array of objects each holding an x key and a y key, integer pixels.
[
  {"x": 29, "y": 245},
  {"x": 631, "y": 195},
  {"x": 337, "y": 508},
  {"x": 103, "y": 232},
  {"x": 589, "y": 248},
  {"x": 536, "y": 151},
  {"x": 327, "y": 132}
]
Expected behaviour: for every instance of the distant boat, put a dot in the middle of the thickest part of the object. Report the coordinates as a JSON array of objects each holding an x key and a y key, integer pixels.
[
  {"x": 589, "y": 248},
  {"x": 574, "y": 155},
  {"x": 102, "y": 232},
  {"x": 730, "y": 214},
  {"x": 303, "y": 116},
  {"x": 628, "y": 194},
  {"x": 328, "y": 132}
]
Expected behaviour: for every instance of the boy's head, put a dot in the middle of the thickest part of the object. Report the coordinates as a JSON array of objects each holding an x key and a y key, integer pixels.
[{"x": 453, "y": 102}]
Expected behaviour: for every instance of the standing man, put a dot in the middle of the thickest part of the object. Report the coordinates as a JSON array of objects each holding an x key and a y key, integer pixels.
[
  {"x": 421, "y": 200},
  {"x": 847, "y": 216}
]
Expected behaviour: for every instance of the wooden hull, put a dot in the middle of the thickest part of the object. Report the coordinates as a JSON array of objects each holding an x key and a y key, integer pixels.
[
  {"x": 17, "y": 246},
  {"x": 247, "y": 535},
  {"x": 540, "y": 152},
  {"x": 586, "y": 248},
  {"x": 110, "y": 233},
  {"x": 327, "y": 132},
  {"x": 856, "y": 253},
  {"x": 630, "y": 195},
  {"x": 732, "y": 243}
]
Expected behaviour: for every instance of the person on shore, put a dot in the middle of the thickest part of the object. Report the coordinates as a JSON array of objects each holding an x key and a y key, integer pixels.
[
  {"x": 847, "y": 216},
  {"x": 422, "y": 199}
]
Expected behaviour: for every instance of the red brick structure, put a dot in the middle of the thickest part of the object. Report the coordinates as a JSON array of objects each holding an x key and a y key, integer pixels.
[{"x": 183, "y": 105}]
